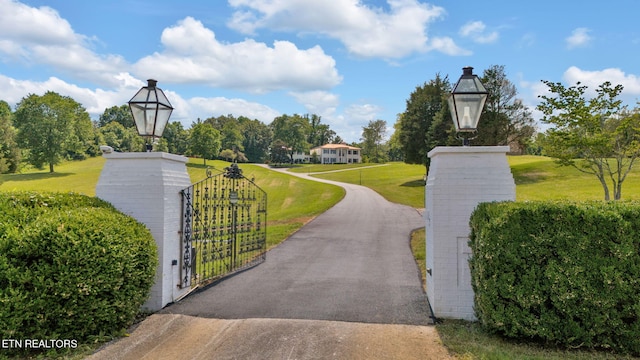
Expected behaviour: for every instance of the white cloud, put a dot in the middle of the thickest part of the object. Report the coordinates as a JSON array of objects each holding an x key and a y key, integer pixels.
[
  {"x": 28, "y": 26},
  {"x": 362, "y": 113},
  {"x": 579, "y": 38},
  {"x": 322, "y": 103},
  {"x": 348, "y": 125},
  {"x": 476, "y": 31},
  {"x": 40, "y": 36},
  {"x": 447, "y": 46},
  {"x": 593, "y": 79},
  {"x": 365, "y": 31},
  {"x": 94, "y": 101},
  {"x": 357, "y": 116},
  {"x": 192, "y": 54},
  {"x": 216, "y": 106}
]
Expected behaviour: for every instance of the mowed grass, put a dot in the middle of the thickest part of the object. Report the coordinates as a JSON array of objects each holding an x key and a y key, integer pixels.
[
  {"x": 536, "y": 178},
  {"x": 540, "y": 178},
  {"x": 71, "y": 176},
  {"x": 397, "y": 182},
  {"x": 291, "y": 201}
]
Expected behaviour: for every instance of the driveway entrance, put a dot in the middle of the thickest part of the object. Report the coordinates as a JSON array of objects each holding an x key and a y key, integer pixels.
[{"x": 353, "y": 263}]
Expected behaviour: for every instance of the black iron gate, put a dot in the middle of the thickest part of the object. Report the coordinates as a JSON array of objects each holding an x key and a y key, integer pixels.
[{"x": 224, "y": 230}]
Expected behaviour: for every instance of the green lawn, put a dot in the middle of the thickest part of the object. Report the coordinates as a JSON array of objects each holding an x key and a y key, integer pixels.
[
  {"x": 536, "y": 178},
  {"x": 288, "y": 207},
  {"x": 540, "y": 178},
  {"x": 73, "y": 176},
  {"x": 397, "y": 182}
]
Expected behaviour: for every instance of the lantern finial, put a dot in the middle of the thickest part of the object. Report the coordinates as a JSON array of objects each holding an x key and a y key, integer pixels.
[
  {"x": 151, "y": 110},
  {"x": 466, "y": 102}
]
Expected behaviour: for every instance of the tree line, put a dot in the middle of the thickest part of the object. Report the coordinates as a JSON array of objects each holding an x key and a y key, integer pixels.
[
  {"x": 46, "y": 129},
  {"x": 596, "y": 135}
]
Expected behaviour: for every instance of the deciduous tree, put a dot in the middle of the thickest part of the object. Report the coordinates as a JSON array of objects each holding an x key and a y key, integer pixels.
[
  {"x": 292, "y": 131},
  {"x": 319, "y": 134},
  {"x": 9, "y": 151},
  {"x": 372, "y": 139},
  {"x": 256, "y": 141},
  {"x": 505, "y": 119},
  {"x": 120, "y": 114},
  {"x": 51, "y": 127},
  {"x": 204, "y": 141},
  {"x": 177, "y": 138},
  {"x": 121, "y": 139},
  {"x": 597, "y": 136}
]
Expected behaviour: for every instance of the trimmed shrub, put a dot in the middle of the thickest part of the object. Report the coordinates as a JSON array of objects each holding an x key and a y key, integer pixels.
[
  {"x": 564, "y": 273},
  {"x": 71, "y": 267}
]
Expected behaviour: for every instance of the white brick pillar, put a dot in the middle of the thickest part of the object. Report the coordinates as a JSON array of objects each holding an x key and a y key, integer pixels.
[
  {"x": 147, "y": 187},
  {"x": 459, "y": 179}
]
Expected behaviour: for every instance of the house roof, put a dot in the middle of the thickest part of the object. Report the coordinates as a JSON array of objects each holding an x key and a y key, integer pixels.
[{"x": 336, "y": 146}]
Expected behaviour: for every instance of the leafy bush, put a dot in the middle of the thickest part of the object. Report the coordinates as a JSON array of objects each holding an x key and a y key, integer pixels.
[
  {"x": 71, "y": 267},
  {"x": 565, "y": 273}
]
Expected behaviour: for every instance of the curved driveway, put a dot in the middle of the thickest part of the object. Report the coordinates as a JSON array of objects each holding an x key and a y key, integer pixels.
[{"x": 352, "y": 263}]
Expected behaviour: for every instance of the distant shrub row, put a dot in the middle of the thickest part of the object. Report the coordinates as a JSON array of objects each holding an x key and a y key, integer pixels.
[
  {"x": 71, "y": 267},
  {"x": 564, "y": 273}
]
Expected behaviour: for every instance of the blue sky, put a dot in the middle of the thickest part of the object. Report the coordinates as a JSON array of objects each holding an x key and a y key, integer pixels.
[{"x": 348, "y": 61}]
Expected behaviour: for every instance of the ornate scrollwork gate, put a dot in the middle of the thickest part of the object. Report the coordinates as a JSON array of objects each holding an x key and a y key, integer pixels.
[{"x": 224, "y": 230}]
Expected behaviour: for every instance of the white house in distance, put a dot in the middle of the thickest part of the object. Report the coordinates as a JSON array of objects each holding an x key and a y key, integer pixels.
[{"x": 337, "y": 153}]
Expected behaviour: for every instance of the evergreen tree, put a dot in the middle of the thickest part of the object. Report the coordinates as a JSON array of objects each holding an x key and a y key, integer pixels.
[{"x": 417, "y": 135}]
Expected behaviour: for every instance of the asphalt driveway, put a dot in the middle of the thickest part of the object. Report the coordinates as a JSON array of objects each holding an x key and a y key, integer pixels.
[
  {"x": 352, "y": 263},
  {"x": 343, "y": 287}
]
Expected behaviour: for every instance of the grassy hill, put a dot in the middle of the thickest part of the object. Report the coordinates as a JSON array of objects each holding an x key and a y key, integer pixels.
[
  {"x": 539, "y": 178},
  {"x": 288, "y": 204},
  {"x": 292, "y": 202},
  {"x": 536, "y": 177}
]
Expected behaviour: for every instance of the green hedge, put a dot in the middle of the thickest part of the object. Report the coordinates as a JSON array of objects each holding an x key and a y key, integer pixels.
[
  {"x": 564, "y": 273},
  {"x": 71, "y": 267}
]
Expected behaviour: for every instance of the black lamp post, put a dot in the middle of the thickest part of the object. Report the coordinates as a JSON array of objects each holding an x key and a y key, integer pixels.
[
  {"x": 151, "y": 111},
  {"x": 466, "y": 102}
]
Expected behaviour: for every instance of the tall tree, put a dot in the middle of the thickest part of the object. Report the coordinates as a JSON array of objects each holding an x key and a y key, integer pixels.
[
  {"x": 394, "y": 145},
  {"x": 596, "y": 136},
  {"x": 292, "y": 131},
  {"x": 9, "y": 151},
  {"x": 505, "y": 120},
  {"x": 372, "y": 139},
  {"x": 204, "y": 141},
  {"x": 319, "y": 134},
  {"x": 120, "y": 114},
  {"x": 416, "y": 134},
  {"x": 177, "y": 138},
  {"x": 279, "y": 152},
  {"x": 81, "y": 142},
  {"x": 232, "y": 137},
  {"x": 48, "y": 126},
  {"x": 257, "y": 138},
  {"x": 121, "y": 139},
  {"x": 219, "y": 122}
]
